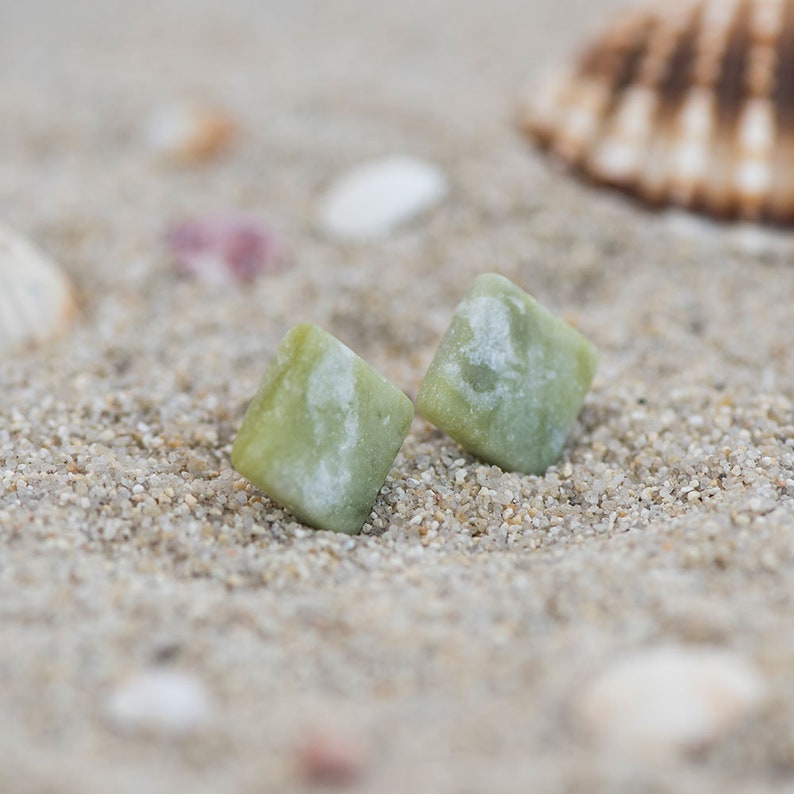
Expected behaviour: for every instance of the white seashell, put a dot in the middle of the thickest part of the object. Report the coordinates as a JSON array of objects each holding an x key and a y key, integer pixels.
[
  {"x": 669, "y": 698},
  {"x": 682, "y": 102},
  {"x": 188, "y": 134},
  {"x": 161, "y": 702},
  {"x": 374, "y": 199},
  {"x": 36, "y": 300}
]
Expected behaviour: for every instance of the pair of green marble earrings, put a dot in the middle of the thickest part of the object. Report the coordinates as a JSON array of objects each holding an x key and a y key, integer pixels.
[{"x": 324, "y": 428}]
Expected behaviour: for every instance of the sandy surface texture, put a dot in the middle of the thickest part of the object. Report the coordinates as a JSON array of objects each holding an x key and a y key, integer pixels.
[{"x": 451, "y": 646}]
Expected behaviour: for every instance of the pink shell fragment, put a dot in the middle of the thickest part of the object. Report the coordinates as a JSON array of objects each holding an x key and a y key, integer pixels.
[
  {"x": 224, "y": 249},
  {"x": 332, "y": 759}
]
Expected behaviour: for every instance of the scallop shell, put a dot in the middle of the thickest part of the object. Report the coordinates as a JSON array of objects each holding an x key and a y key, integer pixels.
[
  {"x": 682, "y": 102},
  {"x": 36, "y": 299}
]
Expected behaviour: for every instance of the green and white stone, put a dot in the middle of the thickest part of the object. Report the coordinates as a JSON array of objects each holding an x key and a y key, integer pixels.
[
  {"x": 508, "y": 378},
  {"x": 322, "y": 431}
]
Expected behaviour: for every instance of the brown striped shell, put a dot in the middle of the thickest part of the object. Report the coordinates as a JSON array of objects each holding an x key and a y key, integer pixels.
[{"x": 682, "y": 102}]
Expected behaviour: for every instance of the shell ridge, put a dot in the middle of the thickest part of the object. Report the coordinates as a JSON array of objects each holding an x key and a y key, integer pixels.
[
  {"x": 780, "y": 207},
  {"x": 659, "y": 169}
]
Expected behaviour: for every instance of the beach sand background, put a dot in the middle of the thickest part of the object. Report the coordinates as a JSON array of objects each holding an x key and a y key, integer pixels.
[{"x": 451, "y": 641}]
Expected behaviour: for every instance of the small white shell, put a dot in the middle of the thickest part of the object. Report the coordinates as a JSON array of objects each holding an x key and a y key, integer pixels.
[
  {"x": 189, "y": 134},
  {"x": 682, "y": 102},
  {"x": 163, "y": 702},
  {"x": 36, "y": 299},
  {"x": 374, "y": 199},
  {"x": 669, "y": 699}
]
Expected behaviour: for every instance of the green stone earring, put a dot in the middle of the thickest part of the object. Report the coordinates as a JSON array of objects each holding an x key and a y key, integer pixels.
[
  {"x": 322, "y": 431},
  {"x": 508, "y": 378}
]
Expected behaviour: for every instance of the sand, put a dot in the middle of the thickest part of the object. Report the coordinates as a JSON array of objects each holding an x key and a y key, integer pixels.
[{"x": 450, "y": 642}]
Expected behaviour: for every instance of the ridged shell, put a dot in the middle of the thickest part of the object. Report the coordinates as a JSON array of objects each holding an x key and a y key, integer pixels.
[
  {"x": 36, "y": 299},
  {"x": 683, "y": 102}
]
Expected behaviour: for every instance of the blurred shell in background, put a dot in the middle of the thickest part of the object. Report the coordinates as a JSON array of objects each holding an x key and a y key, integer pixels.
[
  {"x": 374, "y": 199},
  {"x": 189, "y": 134},
  {"x": 159, "y": 702},
  {"x": 669, "y": 699},
  {"x": 224, "y": 249},
  {"x": 37, "y": 301},
  {"x": 682, "y": 102}
]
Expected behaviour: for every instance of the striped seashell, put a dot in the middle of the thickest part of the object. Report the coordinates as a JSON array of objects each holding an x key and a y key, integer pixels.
[
  {"x": 36, "y": 299},
  {"x": 682, "y": 102}
]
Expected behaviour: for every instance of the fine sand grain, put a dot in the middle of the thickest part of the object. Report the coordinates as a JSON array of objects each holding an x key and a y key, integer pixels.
[{"x": 448, "y": 645}]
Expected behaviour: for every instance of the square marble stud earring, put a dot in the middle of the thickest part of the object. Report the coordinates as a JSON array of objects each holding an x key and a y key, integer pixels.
[
  {"x": 322, "y": 431},
  {"x": 508, "y": 378}
]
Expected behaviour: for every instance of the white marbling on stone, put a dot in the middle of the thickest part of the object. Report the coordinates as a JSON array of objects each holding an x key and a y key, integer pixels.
[{"x": 333, "y": 413}]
